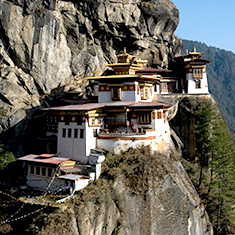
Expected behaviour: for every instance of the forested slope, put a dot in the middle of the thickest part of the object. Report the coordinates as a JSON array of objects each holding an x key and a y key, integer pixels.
[{"x": 221, "y": 76}]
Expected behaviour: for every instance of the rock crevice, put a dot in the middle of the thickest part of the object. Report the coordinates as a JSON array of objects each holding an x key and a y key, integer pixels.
[{"x": 47, "y": 44}]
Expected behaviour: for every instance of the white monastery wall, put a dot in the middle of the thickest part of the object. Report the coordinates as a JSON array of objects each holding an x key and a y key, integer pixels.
[
  {"x": 104, "y": 96},
  {"x": 128, "y": 95},
  {"x": 159, "y": 126},
  {"x": 80, "y": 184},
  {"x": 120, "y": 144},
  {"x": 41, "y": 183},
  {"x": 90, "y": 140},
  {"x": 74, "y": 148},
  {"x": 192, "y": 86},
  {"x": 158, "y": 89}
]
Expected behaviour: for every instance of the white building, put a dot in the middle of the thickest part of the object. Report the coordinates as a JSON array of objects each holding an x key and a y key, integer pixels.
[
  {"x": 52, "y": 173},
  {"x": 125, "y": 113},
  {"x": 195, "y": 76},
  {"x": 125, "y": 116}
]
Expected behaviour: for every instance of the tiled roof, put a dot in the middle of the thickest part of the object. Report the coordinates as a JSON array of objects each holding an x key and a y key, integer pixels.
[
  {"x": 73, "y": 177},
  {"x": 149, "y": 104},
  {"x": 77, "y": 107},
  {"x": 44, "y": 158},
  {"x": 90, "y": 106}
]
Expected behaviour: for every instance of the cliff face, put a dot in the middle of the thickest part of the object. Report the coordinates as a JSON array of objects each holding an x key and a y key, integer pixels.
[
  {"x": 50, "y": 46},
  {"x": 139, "y": 193},
  {"x": 46, "y": 45}
]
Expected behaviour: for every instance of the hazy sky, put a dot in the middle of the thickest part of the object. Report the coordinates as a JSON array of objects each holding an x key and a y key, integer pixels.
[{"x": 208, "y": 21}]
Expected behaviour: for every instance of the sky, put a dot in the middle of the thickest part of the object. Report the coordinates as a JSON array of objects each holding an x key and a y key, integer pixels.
[{"x": 208, "y": 21}]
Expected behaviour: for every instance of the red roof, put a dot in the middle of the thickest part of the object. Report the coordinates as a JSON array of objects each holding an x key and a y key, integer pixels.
[
  {"x": 149, "y": 104},
  {"x": 152, "y": 70},
  {"x": 77, "y": 107},
  {"x": 91, "y": 106},
  {"x": 44, "y": 158}
]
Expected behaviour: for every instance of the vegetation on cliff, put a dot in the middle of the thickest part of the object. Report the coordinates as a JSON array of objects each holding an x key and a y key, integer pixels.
[
  {"x": 221, "y": 77},
  {"x": 139, "y": 192},
  {"x": 5, "y": 158},
  {"x": 213, "y": 170}
]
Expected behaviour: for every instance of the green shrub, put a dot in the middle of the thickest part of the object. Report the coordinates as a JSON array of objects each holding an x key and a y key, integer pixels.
[{"x": 5, "y": 159}]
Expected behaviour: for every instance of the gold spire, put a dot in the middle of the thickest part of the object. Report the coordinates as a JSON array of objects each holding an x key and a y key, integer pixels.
[
  {"x": 124, "y": 57},
  {"x": 195, "y": 52}
]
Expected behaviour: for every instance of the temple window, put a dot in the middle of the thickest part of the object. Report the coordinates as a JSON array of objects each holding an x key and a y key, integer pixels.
[
  {"x": 197, "y": 73},
  {"x": 116, "y": 93},
  {"x": 92, "y": 121},
  {"x": 49, "y": 171},
  {"x": 81, "y": 133},
  {"x": 32, "y": 169},
  {"x": 95, "y": 133},
  {"x": 155, "y": 87},
  {"x": 52, "y": 123},
  {"x": 43, "y": 171},
  {"x": 75, "y": 133},
  {"x": 144, "y": 92},
  {"x": 144, "y": 118},
  {"x": 198, "y": 84},
  {"x": 63, "y": 132},
  {"x": 164, "y": 87},
  {"x": 37, "y": 170},
  {"x": 99, "y": 121},
  {"x": 69, "y": 133}
]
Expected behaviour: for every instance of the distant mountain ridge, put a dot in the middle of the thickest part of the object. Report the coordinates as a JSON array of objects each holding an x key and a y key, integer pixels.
[{"x": 221, "y": 77}]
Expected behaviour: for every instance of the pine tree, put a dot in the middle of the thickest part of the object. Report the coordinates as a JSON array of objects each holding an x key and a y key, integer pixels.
[{"x": 216, "y": 152}]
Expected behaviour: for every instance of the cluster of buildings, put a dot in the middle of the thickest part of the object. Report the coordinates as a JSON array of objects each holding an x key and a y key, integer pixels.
[{"x": 125, "y": 116}]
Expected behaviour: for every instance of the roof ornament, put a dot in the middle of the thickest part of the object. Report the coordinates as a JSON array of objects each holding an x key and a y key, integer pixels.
[
  {"x": 195, "y": 52},
  {"x": 187, "y": 51}
]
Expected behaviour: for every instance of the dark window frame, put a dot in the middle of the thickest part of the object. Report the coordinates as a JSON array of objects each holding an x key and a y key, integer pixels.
[
  {"x": 75, "y": 134},
  {"x": 81, "y": 133},
  {"x": 69, "y": 132},
  {"x": 116, "y": 93},
  {"x": 49, "y": 172},
  {"x": 44, "y": 171},
  {"x": 32, "y": 170},
  {"x": 64, "y": 132},
  {"x": 38, "y": 170}
]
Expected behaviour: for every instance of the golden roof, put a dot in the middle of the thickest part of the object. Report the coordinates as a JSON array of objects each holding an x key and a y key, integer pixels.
[
  {"x": 124, "y": 57},
  {"x": 195, "y": 52}
]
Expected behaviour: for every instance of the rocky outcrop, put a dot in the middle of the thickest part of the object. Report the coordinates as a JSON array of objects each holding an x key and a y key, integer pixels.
[
  {"x": 46, "y": 45},
  {"x": 140, "y": 194}
]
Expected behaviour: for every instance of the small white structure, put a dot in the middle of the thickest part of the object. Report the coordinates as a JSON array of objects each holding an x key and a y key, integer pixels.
[
  {"x": 195, "y": 81},
  {"x": 51, "y": 172}
]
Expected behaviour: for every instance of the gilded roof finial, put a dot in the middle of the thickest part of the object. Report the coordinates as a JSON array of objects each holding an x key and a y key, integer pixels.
[
  {"x": 195, "y": 50},
  {"x": 124, "y": 50},
  {"x": 187, "y": 51}
]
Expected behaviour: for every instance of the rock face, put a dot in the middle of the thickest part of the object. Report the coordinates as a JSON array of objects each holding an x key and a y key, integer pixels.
[
  {"x": 47, "y": 45},
  {"x": 140, "y": 194}
]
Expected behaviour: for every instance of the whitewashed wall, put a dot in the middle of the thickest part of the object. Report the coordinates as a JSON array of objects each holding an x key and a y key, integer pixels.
[
  {"x": 117, "y": 145},
  {"x": 191, "y": 84},
  {"x": 73, "y": 148}
]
